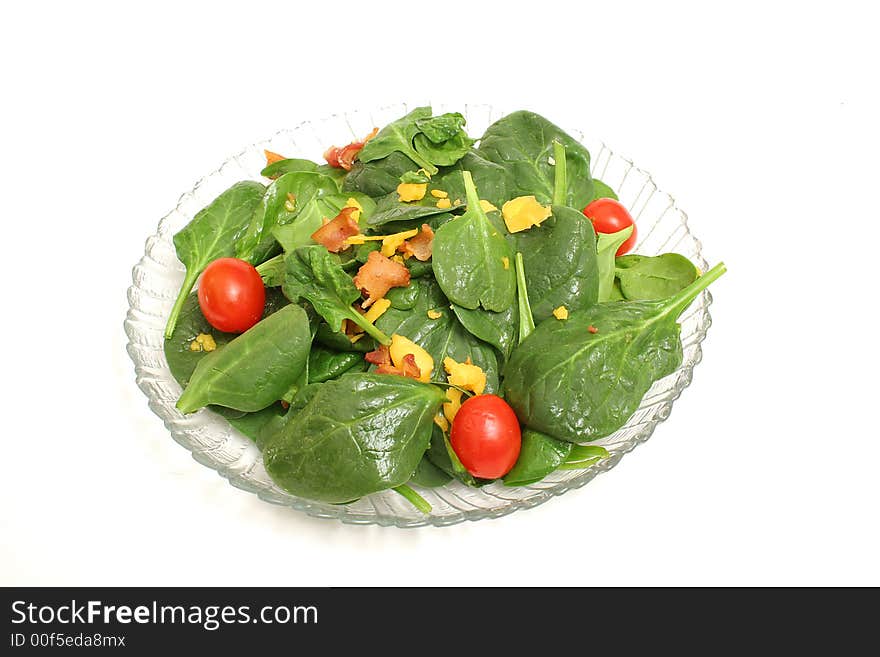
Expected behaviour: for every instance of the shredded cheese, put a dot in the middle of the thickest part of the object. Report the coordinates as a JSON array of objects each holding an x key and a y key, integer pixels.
[
  {"x": 524, "y": 212},
  {"x": 487, "y": 207},
  {"x": 465, "y": 375},
  {"x": 411, "y": 191},
  {"x": 435, "y": 314},
  {"x": 377, "y": 310},
  {"x": 439, "y": 193},
  {"x": 506, "y": 262},
  {"x": 450, "y": 408},
  {"x": 444, "y": 204},
  {"x": 561, "y": 313}
]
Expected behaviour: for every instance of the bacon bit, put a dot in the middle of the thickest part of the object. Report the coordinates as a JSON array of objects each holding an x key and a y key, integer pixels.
[
  {"x": 390, "y": 243},
  {"x": 561, "y": 313},
  {"x": 344, "y": 157},
  {"x": 487, "y": 207},
  {"x": 592, "y": 329},
  {"x": 334, "y": 233},
  {"x": 411, "y": 191},
  {"x": 407, "y": 368},
  {"x": 378, "y": 275},
  {"x": 421, "y": 246},
  {"x": 377, "y": 310},
  {"x": 505, "y": 261},
  {"x": 435, "y": 314},
  {"x": 272, "y": 158},
  {"x": 444, "y": 204},
  {"x": 285, "y": 405},
  {"x": 450, "y": 408},
  {"x": 439, "y": 193},
  {"x": 379, "y": 356},
  {"x": 332, "y": 156}
]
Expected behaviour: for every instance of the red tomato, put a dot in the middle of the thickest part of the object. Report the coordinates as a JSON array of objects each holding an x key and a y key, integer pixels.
[
  {"x": 486, "y": 437},
  {"x": 609, "y": 216},
  {"x": 231, "y": 295}
]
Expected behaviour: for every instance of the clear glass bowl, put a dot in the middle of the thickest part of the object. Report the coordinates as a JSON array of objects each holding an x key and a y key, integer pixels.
[{"x": 214, "y": 443}]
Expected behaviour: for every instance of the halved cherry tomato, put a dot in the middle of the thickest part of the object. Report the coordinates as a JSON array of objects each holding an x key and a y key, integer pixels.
[
  {"x": 609, "y": 216},
  {"x": 231, "y": 295},
  {"x": 486, "y": 436}
]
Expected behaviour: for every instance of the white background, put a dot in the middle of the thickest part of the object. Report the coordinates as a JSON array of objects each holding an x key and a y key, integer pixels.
[{"x": 761, "y": 119}]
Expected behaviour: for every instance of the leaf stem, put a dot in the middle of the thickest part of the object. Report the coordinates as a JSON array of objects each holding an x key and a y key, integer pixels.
[
  {"x": 526, "y": 320},
  {"x": 470, "y": 190},
  {"x": 559, "y": 177},
  {"x": 683, "y": 299},
  {"x": 413, "y": 498},
  {"x": 371, "y": 330},
  {"x": 185, "y": 289}
]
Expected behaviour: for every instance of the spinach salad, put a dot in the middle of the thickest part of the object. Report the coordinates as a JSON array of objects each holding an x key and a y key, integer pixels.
[{"x": 424, "y": 306}]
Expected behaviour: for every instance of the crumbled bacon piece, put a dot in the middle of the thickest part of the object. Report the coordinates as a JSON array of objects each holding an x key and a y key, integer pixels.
[
  {"x": 343, "y": 157},
  {"x": 409, "y": 368},
  {"x": 380, "y": 356},
  {"x": 378, "y": 275},
  {"x": 334, "y": 233},
  {"x": 419, "y": 246}
]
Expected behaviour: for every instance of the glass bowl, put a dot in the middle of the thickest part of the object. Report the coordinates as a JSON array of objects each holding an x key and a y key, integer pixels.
[{"x": 214, "y": 443}]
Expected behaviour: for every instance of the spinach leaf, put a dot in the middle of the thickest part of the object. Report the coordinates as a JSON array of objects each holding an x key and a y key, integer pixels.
[
  {"x": 498, "y": 329},
  {"x": 606, "y": 248},
  {"x": 338, "y": 341},
  {"x": 289, "y": 165},
  {"x": 523, "y": 143},
  {"x": 428, "y": 475},
  {"x": 469, "y": 257},
  {"x": 440, "y": 337},
  {"x": 441, "y": 454},
  {"x": 493, "y": 180},
  {"x": 272, "y": 271},
  {"x": 578, "y": 385},
  {"x": 390, "y": 209},
  {"x": 378, "y": 177},
  {"x": 397, "y": 137},
  {"x": 357, "y": 435},
  {"x": 413, "y": 497},
  {"x": 561, "y": 268},
  {"x": 315, "y": 275},
  {"x": 655, "y": 278},
  {"x": 182, "y": 360},
  {"x": 583, "y": 456},
  {"x": 325, "y": 364},
  {"x": 257, "y": 242},
  {"x": 212, "y": 234},
  {"x": 311, "y": 217},
  {"x": 252, "y": 424},
  {"x": 539, "y": 455},
  {"x": 445, "y": 153},
  {"x": 440, "y": 128},
  {"x": 601, "y": 190},
  {"x": 256, "y": 368}
]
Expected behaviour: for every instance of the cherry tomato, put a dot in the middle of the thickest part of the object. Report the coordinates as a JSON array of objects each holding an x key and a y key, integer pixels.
[
  {"x": 231, "y": 295},
  {"x": 609, "y": 216},
  {"x": 486, "y": 436}
]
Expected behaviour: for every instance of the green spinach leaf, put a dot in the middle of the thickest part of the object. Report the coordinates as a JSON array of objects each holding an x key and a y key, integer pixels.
[
  {"x": 561, "y": 267},
  {"x": 311, "y": 217},
  {"x": 440, "y": 128},
  {"x": 181, "y": 358},
  {"x": 252, "y": 424},
  {"x": 397, "y": 137},
  {"x": 428, "y": 475},
  {"x": 440, "y": 337},
  {"x": 444, "y": 153},
  {"x": 325, "y": 364},
  {"x": 289, "y": 165},
  {"x": 315, "y": 275},
  {"x": 379, "y": 177},
  {"x": 493, "y": 180},
  {"x": 390, "y": 209},
  {"x": 469, "y": 257},
  {"x": 522, "y": 142},
  {"x": 257, "y": 243},
  {"x": 496, "y": 328},
  {"x": 578, "y": 385},
  {"x": 539, "y": 455},
  {"x": 213, "y": 234},
  {"x": 356, "y": 435},
  {"x": 256, "y": 368},
  {"x": 601, "y": 190},
  {"x": 655, "y": 278}
]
